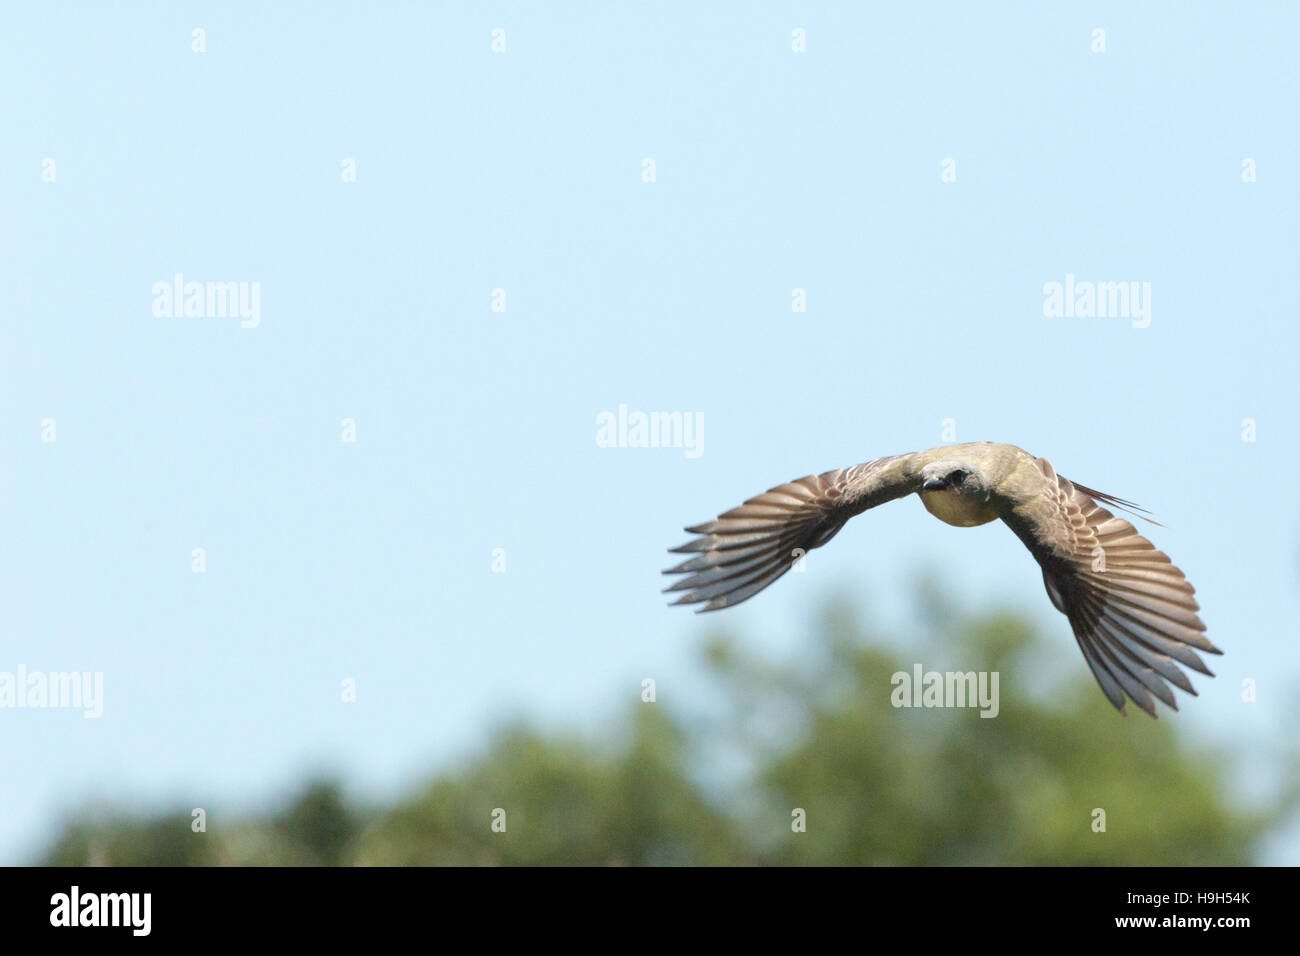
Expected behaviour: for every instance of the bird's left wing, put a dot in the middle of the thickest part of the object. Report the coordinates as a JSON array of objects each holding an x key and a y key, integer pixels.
[
  {"x": 749, "y": 547},
  {"x": 1131, "y": 608}
]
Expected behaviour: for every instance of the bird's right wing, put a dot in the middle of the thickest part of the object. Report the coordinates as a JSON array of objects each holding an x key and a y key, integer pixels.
[{"x": 749, "y": 547}]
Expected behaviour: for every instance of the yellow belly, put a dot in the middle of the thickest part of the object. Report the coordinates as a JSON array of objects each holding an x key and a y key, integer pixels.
[{"x": 958, "y": 510}]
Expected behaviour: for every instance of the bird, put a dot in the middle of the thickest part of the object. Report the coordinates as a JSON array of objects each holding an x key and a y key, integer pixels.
[{"x": 1131, "y": 609}]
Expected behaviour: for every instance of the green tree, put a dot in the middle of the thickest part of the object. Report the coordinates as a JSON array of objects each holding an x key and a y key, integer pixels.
[{"x": 876, "y": 784}]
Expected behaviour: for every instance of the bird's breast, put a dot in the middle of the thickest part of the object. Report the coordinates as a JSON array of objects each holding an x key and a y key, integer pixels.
[{"x": 952, "y": 508}]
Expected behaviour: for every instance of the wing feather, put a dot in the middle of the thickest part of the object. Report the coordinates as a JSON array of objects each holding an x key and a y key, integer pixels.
[
  {"x": 1131, "y": 609},
  {"x": 745, "y": 549}
]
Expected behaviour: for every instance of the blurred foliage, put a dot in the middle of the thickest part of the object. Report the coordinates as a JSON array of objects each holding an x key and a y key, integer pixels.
[{"x": 879, "y": 785}]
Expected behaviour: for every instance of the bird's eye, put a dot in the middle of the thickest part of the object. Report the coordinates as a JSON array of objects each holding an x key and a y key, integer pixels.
[{"x": 957, "y": 477}]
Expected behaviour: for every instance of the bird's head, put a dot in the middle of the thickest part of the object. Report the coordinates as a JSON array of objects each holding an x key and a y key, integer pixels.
[{"x": 955, "y": 477}]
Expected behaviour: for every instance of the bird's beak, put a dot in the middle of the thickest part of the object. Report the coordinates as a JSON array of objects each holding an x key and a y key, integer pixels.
[{"x": 934, "y": 484}]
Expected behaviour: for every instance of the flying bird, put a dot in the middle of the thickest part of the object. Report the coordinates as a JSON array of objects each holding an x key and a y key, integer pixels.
[{"x": 1132, "y": 611}]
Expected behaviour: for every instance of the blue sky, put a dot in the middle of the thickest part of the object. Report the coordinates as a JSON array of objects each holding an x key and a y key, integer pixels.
[{"x": 475, "y": 429}]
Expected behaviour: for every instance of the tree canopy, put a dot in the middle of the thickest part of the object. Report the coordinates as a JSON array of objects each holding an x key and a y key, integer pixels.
[{"x": 796, "y": 762}]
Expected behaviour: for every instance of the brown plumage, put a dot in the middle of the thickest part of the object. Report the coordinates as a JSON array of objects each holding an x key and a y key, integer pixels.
[{"x": 1132, "y": 611}]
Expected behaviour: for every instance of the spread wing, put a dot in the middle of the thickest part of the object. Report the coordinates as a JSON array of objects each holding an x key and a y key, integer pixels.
[
  {"x": 1131, "y": 609},
  {"x": 749, "y": 547}
]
